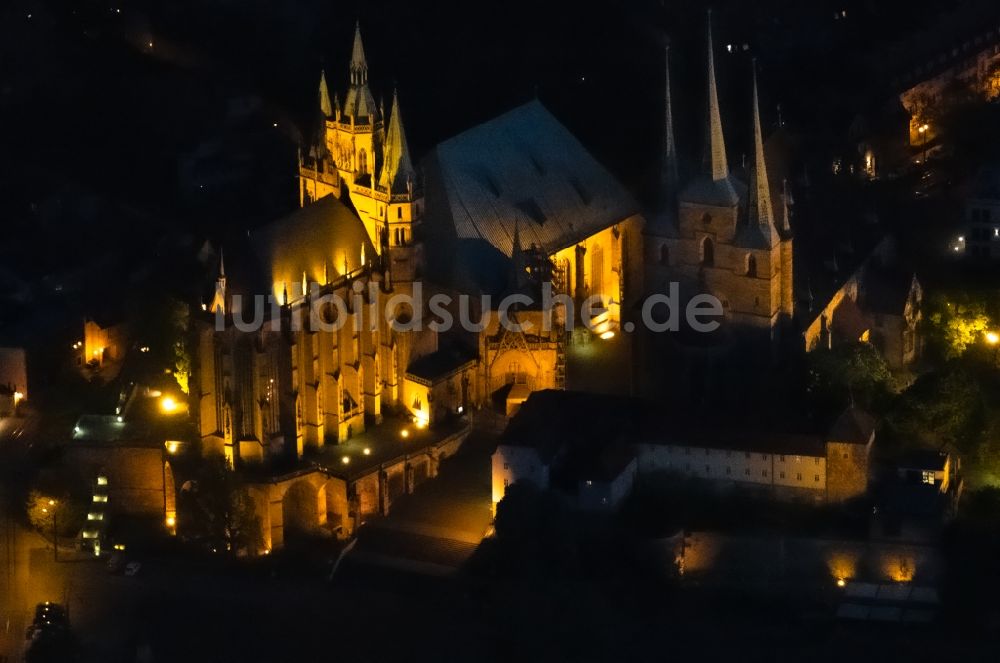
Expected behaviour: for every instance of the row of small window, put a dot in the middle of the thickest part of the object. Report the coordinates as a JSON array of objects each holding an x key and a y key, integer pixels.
[
  {"x": 729, "y": 454},
  {"x": 763, "y": 473}
]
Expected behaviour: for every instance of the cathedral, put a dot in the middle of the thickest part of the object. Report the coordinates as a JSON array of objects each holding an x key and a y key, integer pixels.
[
  {"x": 298, "y": 360},
  {"x": 718, "y": 235},
  {"x": 510, "y": 206},
  {"x": 501, "y": 209}
]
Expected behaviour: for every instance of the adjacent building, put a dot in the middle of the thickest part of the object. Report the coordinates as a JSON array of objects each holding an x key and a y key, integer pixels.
[
  {"x": 591, "y": 448},
  {"x": 982, "y": 215}
]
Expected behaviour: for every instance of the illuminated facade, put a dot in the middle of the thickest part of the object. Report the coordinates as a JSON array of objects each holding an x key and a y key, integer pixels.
[
  {"x": 975, "y": 65},
  {"x": 716, "y": 234},
  {"x": 598, "y": 445}
]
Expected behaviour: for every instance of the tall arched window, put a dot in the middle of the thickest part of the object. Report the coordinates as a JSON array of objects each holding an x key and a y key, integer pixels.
[
  {"x": 707, "y": 252},
  {"x": 751, "y": 265},
  {"x": 362, "y": 162}
]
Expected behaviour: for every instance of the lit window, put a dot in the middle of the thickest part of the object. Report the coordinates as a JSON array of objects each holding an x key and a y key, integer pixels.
[
  {"x": 589, "y": 483},
  {"x": 95, "y": 516},
  {"x": 102, "y": 481},
  {"x": 100, "y": 498},
  {"x": 928, "y": 477}
]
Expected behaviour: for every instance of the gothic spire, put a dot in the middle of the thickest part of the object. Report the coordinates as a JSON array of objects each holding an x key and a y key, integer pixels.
[
  {"x": 518, "y": 262},
  {"x": 219, "y": 298},
  {"x": 397, "y": 174},
  {"x": 359, "y": 103},
  {"x": 760, "y": 210},
  {"x": 714, "y": 159},
  {"x": 359, "y": 65},
  {"x": 669, "y": 179},
  {"x": 324, "y": 96}
]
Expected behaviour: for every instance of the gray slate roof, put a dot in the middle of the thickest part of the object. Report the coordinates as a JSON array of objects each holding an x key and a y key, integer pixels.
[{"x": 524, "y": 167}]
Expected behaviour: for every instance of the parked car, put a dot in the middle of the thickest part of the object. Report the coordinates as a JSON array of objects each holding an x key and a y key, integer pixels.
[{"x": 50, "y": 619}]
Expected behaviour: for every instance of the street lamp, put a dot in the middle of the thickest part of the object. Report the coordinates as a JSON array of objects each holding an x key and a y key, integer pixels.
[{"x": 55, "y": 531}]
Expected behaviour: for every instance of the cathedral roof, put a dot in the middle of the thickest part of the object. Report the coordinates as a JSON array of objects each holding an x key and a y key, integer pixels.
[
  {"x": 322, "y": 240},
  {"x": 524, "y": 169}
]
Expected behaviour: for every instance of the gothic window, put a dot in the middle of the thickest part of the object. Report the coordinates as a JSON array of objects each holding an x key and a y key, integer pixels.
[
  {"x": 751, "y": 265},
  {"x": 362, "y": 161},
  {"x": 664, "y": 255},
  {"x": 706, "y": 218},
  {"x": 597, "y": 270},
  {"x": 399, "y": 212},
  {"x": 707, "y": 252}
]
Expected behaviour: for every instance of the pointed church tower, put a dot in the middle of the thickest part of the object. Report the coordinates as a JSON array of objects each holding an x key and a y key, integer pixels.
[
  {"x": 663, "y": 220},
  {"x": 398, "y": 185},
  {"x": 324, "y": 96},
  {"x": 760, "y": 231},
  {"x": 397, "y": 169},
  {"x": 219, "y": 299},
  {"x": 670, "y": 175},
  {"x": 715, "y": 186},
  {"x": 318, "y": 176},
  {"x": 359, "y": 107},
  {"x": 662, "y": 230},
  {"x": 714, "y": 164}
]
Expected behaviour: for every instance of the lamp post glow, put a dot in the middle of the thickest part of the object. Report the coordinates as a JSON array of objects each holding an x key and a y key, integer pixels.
[
  {"x": 168, "y": 405},
  {"x": 55, "y": 531},
  {"x": 923, "y": 139}
]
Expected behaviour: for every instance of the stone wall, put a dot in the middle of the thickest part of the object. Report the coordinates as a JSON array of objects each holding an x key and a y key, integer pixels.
[{"x": 749, "y": 561}]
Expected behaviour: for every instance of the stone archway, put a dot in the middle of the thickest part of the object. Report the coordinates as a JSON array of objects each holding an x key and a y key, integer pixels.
[
  {"x": 337, "y": 507},
  {"x": 301, "y": 509}
]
